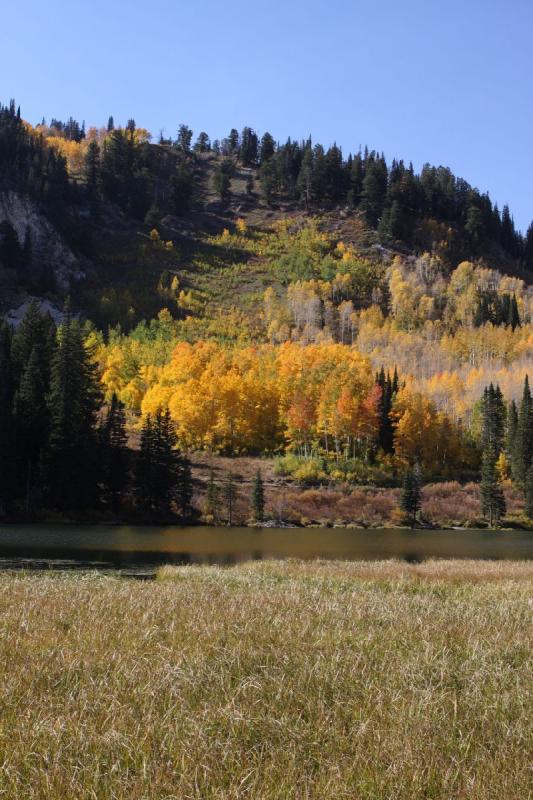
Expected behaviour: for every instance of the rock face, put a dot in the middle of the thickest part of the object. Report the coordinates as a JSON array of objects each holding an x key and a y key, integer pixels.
[
  {"x": 48, "y": 247},
  {"x": 15, "y": 315}
]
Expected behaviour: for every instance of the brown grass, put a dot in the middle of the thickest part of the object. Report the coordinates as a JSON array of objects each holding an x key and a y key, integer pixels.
[
  {"x": 444, "y": 504},
  {"x": 269, "y": 680}
]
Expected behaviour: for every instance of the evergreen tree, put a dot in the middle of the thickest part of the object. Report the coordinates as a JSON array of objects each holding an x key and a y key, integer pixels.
[
  {"x": 6, "y": 422},
  {"x": 492, "y": 499},
  {"x": 528, "y": 248},
  {"x": 522, "y": 454},
  {"x": 32, "y": 349},
  {"x": 92, "y": 175},
  {"x": 229, "y": 494},
  {"x": 74, "y": 399},
  {"x": 184, "y": 488},
  {"x": 31, "y": 424},
  {"x": 184, "y": 139},
  {"x": 258, "y": 497},
  {"x": 267, "y": 175},
  {"x": 114, "y": 453},
  {"x": 202, "y": 144},
  {"x": 373, "y": 189},
  {"x": 248, "y": 148},
  {"x": 528, "y": 493},
  {"x": 389, "y": 389},
  {"x": 267, "y": 148},
  {"x": 222, "y": 178},
  {"x": 35, "y": 332},
  {"x": 233, "y": 141},
  {"x": 493, "y": 420},
  {"x": 411, "y": 496},
  {"x": 356, "y": 176},
  {"x": 510, "y": 433},
  {"x": 305, "y": 183},
  {"x": 162, "y": 476},
  {"x": 513, "y": 318},
  {"x": 181, "y": 187},
  {"x": 211, "y": 497}
]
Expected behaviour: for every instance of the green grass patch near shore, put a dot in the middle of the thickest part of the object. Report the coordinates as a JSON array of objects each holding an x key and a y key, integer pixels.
[{"x": 321, "y": 680}]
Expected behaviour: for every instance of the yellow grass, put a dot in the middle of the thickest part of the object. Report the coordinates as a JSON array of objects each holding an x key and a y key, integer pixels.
[{"x": 269, "y": 680}]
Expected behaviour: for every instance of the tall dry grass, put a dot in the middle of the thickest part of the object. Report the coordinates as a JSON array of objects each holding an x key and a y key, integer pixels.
[{"x": 269, "y": 680}]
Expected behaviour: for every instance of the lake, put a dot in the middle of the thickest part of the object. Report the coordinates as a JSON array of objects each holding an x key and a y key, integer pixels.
[{"x": 137, "y": 547}]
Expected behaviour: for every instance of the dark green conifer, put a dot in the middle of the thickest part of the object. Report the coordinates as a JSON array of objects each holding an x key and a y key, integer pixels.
[
  {"x": 93, "y": 176},
  {"x": 74, "y": 399},
  {"x": 258, "y": 497},
  {"x": 492, "y": 498},
  {"x": 528, "y": 493},
  {"x": 114, "y": 453},
  {"x": 411, "y": 496},
  {"x": 162, "y": 477},
  {"x": 211, "y": 507},
  {"x": 6, "y": 419},
  {"x": 267, "y": 148},
  {"x": 229, "y": 494},
  {"x": 523, "y": 441},
  {"x": 510, "y": 434},
  {"x": 31, "y": 418}
]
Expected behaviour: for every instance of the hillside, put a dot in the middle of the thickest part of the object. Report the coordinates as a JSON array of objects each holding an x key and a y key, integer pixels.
[{"x": 358, "y": 322}]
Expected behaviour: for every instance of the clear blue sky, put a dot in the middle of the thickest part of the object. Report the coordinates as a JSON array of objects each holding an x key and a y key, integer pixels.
[{"x": 425, "y": 80}]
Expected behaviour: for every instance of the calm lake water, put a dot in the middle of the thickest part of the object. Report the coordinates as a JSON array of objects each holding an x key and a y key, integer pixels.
[{"x": 122, "y": 546}]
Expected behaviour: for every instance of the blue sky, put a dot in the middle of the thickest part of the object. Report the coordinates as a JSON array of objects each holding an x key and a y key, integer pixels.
[{"x": 444, "y": 82}]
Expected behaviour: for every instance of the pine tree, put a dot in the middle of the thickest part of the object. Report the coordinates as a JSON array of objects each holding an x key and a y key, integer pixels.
[
  {"x": 31, "y": 416},
  {"x": 202, "y": 144},
  {"x": 229, "y": 494},
  {"x": 529, "y": 493},
  {"x": 183, "y": 141},
  {"x": 492, "y": 498},
  {"x": 267, "y": 148},
  {"x": 389, "y": 389},
  {"x": 248, "y": 147},
  {"x": 92, "y": 176},
  {"x": 184, "y": 487},
  {"x": 162, "y": 476},
  {"x": 522, "y": 454},
  {"x": 233, "y": 141},
  {"x": 6, "y": 422},
  {"x": 211, "y": 498},
  {"x": 114, "y": 453},
  {"x": 258, "y": 497},
  {"x": 267, "y": 176},
  {"x": 493, "y": 420},
  {"x": 222, "y": 178},
  {"x": 35, "y": 332},
  {"x": 306, "y": 178},
  {"x": 74, "y": 399},
  {"x": 411, "y": 496},
  {"x": 528, "y": 248},
  {"x": 510, "y": 433},
  {"x": 513, "y": 318},
  {"x": 373, "y": 189}
]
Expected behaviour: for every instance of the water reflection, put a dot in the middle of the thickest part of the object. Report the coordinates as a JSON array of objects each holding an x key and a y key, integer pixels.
[{"x": 155, "y": 545}]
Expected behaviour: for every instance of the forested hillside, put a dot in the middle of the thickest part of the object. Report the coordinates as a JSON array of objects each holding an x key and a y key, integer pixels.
[{"x": 359, "y": 322}]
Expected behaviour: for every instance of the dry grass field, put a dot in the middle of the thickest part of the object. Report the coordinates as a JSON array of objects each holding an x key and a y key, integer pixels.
[{"x": 269, "y": 680}]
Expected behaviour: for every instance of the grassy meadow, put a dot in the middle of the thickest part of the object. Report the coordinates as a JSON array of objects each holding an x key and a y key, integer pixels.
[{"x": 269, "y": 680}]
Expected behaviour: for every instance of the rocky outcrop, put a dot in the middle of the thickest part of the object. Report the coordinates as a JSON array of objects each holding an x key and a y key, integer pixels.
[
  {"x": 48, "y": 247},
  {"x": 15, "y": 315}
]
